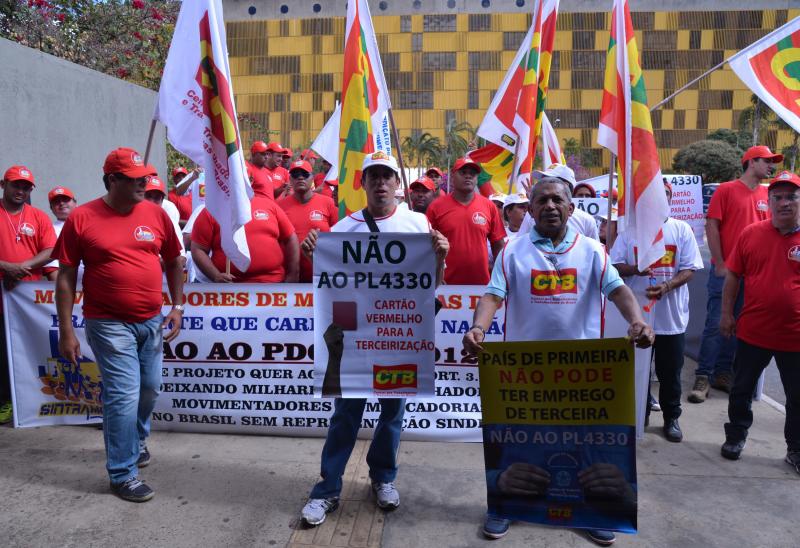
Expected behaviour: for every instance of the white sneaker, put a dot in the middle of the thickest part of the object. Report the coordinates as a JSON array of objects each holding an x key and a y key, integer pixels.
[
  {"x": 386, "y": 495},
  {"x": 315, "y": 510}
]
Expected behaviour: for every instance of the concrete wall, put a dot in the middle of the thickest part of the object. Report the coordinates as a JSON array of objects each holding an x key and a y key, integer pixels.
[
  {"x": 61, "y": 120},
  {"x": 244, "y": 10}
]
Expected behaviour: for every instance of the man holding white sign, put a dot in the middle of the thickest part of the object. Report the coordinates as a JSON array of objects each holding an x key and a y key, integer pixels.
[{"x": 380, "y": 177}]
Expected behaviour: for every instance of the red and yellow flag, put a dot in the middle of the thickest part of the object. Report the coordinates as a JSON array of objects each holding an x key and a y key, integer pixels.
[
  {"x": 365, "y": 101},
  {"x": 627, "y": 131},
  {"x": 771, "y": 69},
  {"x": 497, "y": 164}
]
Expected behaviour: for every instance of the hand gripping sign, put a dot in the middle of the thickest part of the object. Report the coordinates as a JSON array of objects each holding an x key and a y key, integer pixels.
[{"x": 374, "y": 315}]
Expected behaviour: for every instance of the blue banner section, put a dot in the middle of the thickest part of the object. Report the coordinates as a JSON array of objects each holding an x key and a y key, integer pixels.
[{"x": 565, "y": 476}]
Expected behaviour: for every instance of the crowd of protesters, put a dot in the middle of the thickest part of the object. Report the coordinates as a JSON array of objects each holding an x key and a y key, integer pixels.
[{"x": 125, "y": 243}]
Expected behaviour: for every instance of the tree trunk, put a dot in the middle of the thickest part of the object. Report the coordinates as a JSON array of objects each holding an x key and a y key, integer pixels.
[{"x": 794, "y": 149}]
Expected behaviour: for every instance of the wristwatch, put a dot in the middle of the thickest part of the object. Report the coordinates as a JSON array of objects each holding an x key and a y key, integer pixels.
[
  {"x": 179, "y": 307},
  {"x": 478, "y": 327}
]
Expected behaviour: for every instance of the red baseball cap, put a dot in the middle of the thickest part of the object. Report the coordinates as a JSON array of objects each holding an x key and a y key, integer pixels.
[
  {"x": 258, "y": 146},
  {"x": 785, "y": 177},
  {"x": 19, "y": 173},
  {"x": 288, "y": 152},
  {"x": 275, "y": 147},
  {"x": 155, "y": 183},
  {"x": 180, "y": 170},
  {"x": 424, "y": 182},
  {"x": 591, "y": 189},
  {"x": 128, "y": 162},
  {"x": 761, "y": 151},
  {"x": 308, "y": 154},
  {"x": 300, "y": 164},
  {"x": 466, "y": 161},
  {"x": 60, "y": 191},
  {"x": 436, "y": 170}
]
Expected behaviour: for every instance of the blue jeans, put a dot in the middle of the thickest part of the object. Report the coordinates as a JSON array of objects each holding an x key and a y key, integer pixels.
[
  {"x": 342, "y": 434},
  {"x": 130, "y": 357},
  {"x": 716, "y": 351}
]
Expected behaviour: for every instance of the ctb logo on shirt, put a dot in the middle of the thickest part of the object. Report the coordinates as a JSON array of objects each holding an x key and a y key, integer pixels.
[
  {"x": 394, "y": 377},
  {"x": 27, "y": 229},
  {"x": 667, "y": 261},
  {"x": 143, "y": 234},
  {"x": 762, "y": 205},
  {"x": 554, "y": 282},
  {"x": 794, "y": 253},
  {"x": 479, "y": 218},
  {"x": 260, "y": 215}
]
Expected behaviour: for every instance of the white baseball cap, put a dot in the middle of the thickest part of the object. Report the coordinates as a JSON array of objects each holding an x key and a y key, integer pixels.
[
  {"x": 513, "y": 199},
  {"x": 498, "y": 197},
  {"x": 559, "y": 171},
  {"x": 380, "y": 159}
]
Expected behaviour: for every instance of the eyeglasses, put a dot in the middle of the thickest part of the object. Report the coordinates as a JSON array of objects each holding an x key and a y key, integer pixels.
[{"x": 299, "y": 175}]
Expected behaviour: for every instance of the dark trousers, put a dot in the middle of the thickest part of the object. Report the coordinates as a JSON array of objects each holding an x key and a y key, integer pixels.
[
  {"x": 747, "y": 367},
  {"x": 668, "y": 352}
]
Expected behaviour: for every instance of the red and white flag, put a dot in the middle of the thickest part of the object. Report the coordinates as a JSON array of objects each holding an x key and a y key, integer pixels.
[
  {"x": 195, "y": 103},
  {"x": 771, "y": 69},
  {"x": 627, "y": 131},
  {"x": 551, "y": 149}
]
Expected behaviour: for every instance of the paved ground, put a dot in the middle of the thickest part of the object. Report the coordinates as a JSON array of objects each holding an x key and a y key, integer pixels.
[{"x": 222, "y": 490}]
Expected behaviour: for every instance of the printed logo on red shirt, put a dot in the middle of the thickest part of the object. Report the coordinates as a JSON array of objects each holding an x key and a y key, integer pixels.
[
  {"x": 316, "y": 215},
  {"x": 27, "y": 229},
  {"x": 143, "y": 234},
  {"x": 553, "y": 282},
  {"x": 394, "y": 377},
  {"x": 479, "y": 218},
  {"x": 794, "y": 253},
  {"x": 260, "y": 215},
  {"x": 762, "y": 205}
]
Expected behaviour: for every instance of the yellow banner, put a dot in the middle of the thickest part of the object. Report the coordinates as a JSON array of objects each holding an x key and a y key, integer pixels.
[{"x": 577, "y": 382}]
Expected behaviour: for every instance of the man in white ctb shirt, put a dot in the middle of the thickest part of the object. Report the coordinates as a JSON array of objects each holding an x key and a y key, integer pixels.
[
  {"x": 662, "y": 287},
  {"x": 580, "y": 221}
]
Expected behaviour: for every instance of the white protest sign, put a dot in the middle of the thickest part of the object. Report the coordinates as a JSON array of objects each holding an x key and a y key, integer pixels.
[
  {"x": 374, "y": 315},
  {"x": 687, "y": 202},
  {"x": 592, "y": 206}
]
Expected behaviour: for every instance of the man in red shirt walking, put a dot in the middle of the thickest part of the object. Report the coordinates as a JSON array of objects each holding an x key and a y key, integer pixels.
[
  {"x": 260, "y": 176},
  {"x": 767, "y": 256},
  {"x": 734, "y": 206},
  {"x": 467, "y": 220},
  {"x": 307, "y": 209},
  {"x": 26, "y": 239},
  {"x": 121, "y": 239},
  {"x": 279, "y": 174}
]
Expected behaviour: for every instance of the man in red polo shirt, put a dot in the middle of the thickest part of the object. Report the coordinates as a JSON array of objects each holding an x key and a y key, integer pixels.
[
  {"x": 270, "y": 236},
  {"x": 182, "y": 201},
  {"x": 467, "y": 220},
  {"x": 272, "y": 162},
  {"x": 435, "y": 174},
  {"x": 286, "y": 158},
  {"x": 734, "y": 206},
  {"x": 307, "y": 209},
  {"x": 121, "y": 239},
  {"x": 767, "y": 256},
  {"x": 62, "y": 202},
  {"x": 260, "y": 175},
  {"x": 26, "y": 240}
]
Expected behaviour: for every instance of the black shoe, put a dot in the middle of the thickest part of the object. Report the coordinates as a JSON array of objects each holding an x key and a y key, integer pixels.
[
  {"x": 601, "y": 537},
  {"x": 732, "y": 450},
  {"x": 133, "y": 490},
  {"x": 144, "y": 457},
  {"x": 672, "y": 431}
]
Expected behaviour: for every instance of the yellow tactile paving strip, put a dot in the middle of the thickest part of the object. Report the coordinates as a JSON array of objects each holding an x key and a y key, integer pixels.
[{"x": 357, "y": 522}]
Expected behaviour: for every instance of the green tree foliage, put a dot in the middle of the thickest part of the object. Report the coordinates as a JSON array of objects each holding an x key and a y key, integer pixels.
[
  {"x": 715, "y": 161},
  {"x": 422, "y": 149}
]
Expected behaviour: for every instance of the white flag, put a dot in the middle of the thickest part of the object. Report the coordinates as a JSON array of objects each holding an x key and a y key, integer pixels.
[
  {"x": 551, "y": 150},
  {"x": 327, "y": 142},
  {"x": 195, "y": 103}
]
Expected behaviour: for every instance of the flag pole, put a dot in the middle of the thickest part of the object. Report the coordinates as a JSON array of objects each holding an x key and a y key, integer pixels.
[
  {"x": 611, "y": 235},
  {"x": 150, "y": 140},
  {"x": 400, "y": 158},
  {"x": 687, "y": 86}
]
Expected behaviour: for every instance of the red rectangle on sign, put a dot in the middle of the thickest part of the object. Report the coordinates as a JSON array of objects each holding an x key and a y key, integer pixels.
[
  {"x": 394, "y": 377},
  {"x": 554, "y": 282}
]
